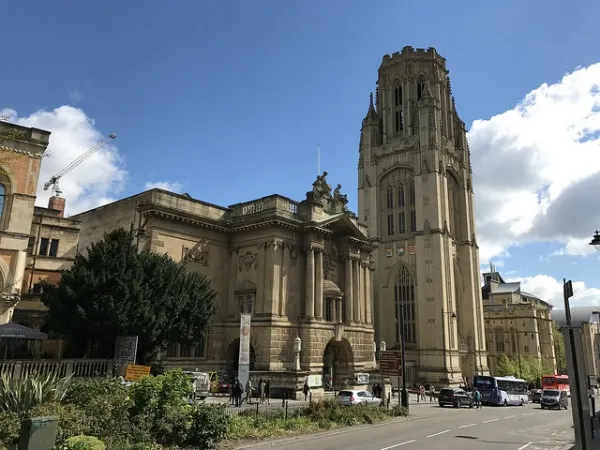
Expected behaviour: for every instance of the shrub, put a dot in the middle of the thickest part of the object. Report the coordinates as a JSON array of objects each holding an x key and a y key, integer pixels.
[
  {"x": 10, "y": 425},
  {"x": 72, "y": 420},
  {"x": 209, "y": 425},
  {"x": 21, "y": 395},
  {"x": 83, "y": 443}
]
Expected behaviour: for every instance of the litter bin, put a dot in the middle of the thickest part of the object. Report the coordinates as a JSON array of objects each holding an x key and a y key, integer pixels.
[{"x": 38, "y": 433}]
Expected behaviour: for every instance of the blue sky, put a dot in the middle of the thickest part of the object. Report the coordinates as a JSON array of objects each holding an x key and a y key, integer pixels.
[{"x": 228, "y": 100}]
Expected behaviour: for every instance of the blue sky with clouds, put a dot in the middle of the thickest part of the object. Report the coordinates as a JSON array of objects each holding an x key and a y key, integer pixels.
[{"x": 228, "y": 100}]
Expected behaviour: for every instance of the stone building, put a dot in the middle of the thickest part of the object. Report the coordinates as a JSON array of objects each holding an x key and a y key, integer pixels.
[
  {"x": 301, "y": 269},
  {"x": 415, "y": 193},
  {"x": 52, "y": 247},
  {"x": 21, "y": 151},
  {"x": 517, "y": 324}
]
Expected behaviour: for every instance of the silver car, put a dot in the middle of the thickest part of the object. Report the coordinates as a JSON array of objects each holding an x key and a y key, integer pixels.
[{"x": 357, "y": 397}]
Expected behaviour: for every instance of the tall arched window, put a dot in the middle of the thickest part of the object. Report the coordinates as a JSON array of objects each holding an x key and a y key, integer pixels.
[
  {"x": 2, "y": 197},
  {"x": 420, "y": 87},
  {"x": 453, "y": 205},
  {"x": 404, "y": 302},
  {"x": 499, "y": 335},
  {"x": 398, "y": 119}
]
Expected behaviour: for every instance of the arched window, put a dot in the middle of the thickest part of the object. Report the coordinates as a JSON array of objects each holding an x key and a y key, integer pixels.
[
  {"x": 499, "y": 335},
  {"x": 390, "y": 197},
  {"x": 420, "y": 87},
  {"x": 453, "y": 205},
  {"x": 513, "y": 340},
  {"x": 404, "y": 301},
  {"x": 412, "y": 208},
  {"x": 2, "y": 199},
  {"x": 398, "y": 119}
]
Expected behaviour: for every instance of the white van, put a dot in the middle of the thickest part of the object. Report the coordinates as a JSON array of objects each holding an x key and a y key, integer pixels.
[{"x": 201, "y": 383}]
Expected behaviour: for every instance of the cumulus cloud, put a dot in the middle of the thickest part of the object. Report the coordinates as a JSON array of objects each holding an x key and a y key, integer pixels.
[
  {"x": 537, "y": 170},
  {"x": 97, "y": 180},
  {"x": 551, "y": 290},
  {"x": 174, "y": 186}
]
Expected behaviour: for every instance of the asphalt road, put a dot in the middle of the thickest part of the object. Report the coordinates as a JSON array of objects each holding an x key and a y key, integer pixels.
[{"x": 494, "y": 428}]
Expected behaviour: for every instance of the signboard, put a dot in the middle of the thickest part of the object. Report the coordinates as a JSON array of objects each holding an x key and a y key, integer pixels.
[
  {"x": 315, "y": 380},
  {"x": 136, "y": 373},
  {"x": 389, "y": 363},
  {"x": 362, "y": 378},
  {"x": 125, "y": 352},
  {"x": 244, "y": 358}
]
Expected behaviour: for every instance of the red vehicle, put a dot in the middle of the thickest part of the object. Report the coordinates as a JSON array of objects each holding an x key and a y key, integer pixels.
[{"x": 558, "y": 382}]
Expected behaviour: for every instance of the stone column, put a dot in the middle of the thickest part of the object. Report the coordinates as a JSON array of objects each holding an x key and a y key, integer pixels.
[
  {"x": 361, "y": 291},
  {"x": 274, "y": 269},
  {"x": 285, "y": 264},
  {"x": 355, "y": 291},
  {"x": 369, "y": 295},
  {"x": 259, "y": 302},
  {"x": 310, "y": 282},
  {"x": 319, "y": 284},
  {"x": 233, "y": 271},
  {"x": 348, "y": 290}
]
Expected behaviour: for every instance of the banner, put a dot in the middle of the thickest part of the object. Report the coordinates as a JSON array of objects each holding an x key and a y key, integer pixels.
[{"x": 244, "y": 358}]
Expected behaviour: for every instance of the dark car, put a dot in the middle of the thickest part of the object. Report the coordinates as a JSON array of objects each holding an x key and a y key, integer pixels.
[
  {"x": 455, "y": 397},
  {"x": 554, "y": 399},
  {"x": 535, "y": 395}
]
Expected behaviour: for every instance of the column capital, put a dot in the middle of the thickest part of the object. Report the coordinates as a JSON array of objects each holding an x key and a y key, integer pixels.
[
  {"x": 353, "y": 257},
  {"x": 317, "y": 248},
  {"x": 272, "y": 243}
]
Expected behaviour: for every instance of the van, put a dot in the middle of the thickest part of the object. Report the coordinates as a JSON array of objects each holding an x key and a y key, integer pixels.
[{"x": 201, "y": 383}]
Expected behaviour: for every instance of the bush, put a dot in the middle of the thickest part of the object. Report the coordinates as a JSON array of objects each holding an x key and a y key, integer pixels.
[
  {"x": 83, "y": 443},
  {"x": 72, "y": 420},
  {"x": 10, "y": 425},
  {"x": 23, "y": 394},
  {"x": 209, "y": 425}
]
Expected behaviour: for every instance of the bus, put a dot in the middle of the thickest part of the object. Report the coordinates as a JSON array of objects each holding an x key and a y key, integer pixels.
[
  {"x": 556, "y": 382},
  {"x": 501, "y": 390}
]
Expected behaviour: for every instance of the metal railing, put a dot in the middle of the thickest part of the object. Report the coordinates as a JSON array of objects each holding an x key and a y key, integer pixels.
[{"x": 79, "y": 368}]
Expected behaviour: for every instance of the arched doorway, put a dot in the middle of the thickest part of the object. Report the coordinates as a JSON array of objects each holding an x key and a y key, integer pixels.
[
  {"x": 338, "y": 365},
  {"x": 233, "y": 357}
]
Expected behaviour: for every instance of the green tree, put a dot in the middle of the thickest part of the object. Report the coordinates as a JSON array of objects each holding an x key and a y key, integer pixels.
[
  {"x": 115, "y": 290},
  {"x": 559, "y": 350},
  {"x": 506, "y": 366}
]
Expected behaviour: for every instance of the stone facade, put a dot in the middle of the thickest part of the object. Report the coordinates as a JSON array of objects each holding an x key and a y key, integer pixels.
[
  {"x": 301, "y": 269},
  {"x": 21, "y": 151},
  {"x": 517, "y": 324},
  {"x": 53, "y": 243},
  {"x": 415, "y": 192}
]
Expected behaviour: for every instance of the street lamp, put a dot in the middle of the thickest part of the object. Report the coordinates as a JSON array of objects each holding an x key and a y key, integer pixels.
[
  {"x": 297, "y": 350},
  {"x": 595, "y": 242}
]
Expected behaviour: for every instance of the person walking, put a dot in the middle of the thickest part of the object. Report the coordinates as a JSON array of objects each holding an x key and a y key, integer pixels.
[
  {"x": 431, "y": 393},
  {"x": 268, "y": 391},
  {"x": 249, "y": 389},
  {"x": 477, "y": 399},
  {"x": 237, "y": 393},
  {"x": 261, "y": 390},
  {"x": 306, "y": 390}
]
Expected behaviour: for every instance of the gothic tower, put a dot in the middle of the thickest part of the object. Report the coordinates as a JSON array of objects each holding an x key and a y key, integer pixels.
[{"x": 415, "y": 192}]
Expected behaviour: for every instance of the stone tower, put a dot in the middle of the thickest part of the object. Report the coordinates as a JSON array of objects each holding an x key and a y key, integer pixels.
[{"x": 415, "y": 192}]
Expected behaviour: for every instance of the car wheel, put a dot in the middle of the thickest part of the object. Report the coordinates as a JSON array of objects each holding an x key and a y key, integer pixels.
[
  {"x": 441, "y": 406},
  {"x": 522, "y": 402},
  {"x": 505, "y": 403},
  {"x": 471, "y": 405},
  {"x": 456, "y": 404}
]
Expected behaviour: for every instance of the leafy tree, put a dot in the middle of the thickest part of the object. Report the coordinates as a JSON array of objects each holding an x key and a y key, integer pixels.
[
  {"x": 116, "y": 290},
  {"x": 506, "y": 366}
]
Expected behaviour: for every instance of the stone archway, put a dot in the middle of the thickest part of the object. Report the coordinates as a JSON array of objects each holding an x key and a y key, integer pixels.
[
  {"x": 338, "y": 365},
  {"x": 233, "y": 357}
]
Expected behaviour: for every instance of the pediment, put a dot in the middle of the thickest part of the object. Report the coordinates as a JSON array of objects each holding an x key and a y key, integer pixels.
[
  {"x": 246, "y": 286},
  {"x": 342, "y": 225}
]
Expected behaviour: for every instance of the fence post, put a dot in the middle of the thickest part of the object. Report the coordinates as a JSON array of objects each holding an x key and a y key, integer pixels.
[
  {"x": 286, "y": 410},
  {"x": 283, "y": 399},
  {"x": 257, "y": 409}
]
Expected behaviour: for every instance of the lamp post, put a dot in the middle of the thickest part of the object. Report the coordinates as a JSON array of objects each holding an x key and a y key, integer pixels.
[
  {"x": 404, "y": 392},
  {"x": 452, "y": 315},
  {"x": 297, "y": 350}
]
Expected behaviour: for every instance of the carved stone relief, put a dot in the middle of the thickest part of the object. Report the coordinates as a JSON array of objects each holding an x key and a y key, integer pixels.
[
  {"x": 197, "y": 255},
  {"x": 294, "y": 253},
  {"x": 248, "y": 261},
  {"x": 330, "y": 259}
]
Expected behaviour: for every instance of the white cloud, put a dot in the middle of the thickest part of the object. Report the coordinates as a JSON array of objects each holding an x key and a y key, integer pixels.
[
  {"x": 165, "y": 185},
  {"x": 551, "y": 290},
  {"x": 96, "y": 180},
  {"x": 534, "y": 167}
]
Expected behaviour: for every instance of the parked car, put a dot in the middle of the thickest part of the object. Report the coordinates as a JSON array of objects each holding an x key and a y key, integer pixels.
[
  {"x": 554, "y": 399},
  {"x": 535, "y": 395},
  {"x": 455, "y": 397},
  {"x": 357, "y": 397}
]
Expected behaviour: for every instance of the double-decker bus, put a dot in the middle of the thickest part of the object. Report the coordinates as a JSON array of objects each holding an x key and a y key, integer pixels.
[
  {"x": 556, "y": 382},
  {"x": 501, "y": 390}
]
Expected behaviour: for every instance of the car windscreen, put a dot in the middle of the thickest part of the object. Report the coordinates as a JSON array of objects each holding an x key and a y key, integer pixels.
[{"x": 345, "y": 394}]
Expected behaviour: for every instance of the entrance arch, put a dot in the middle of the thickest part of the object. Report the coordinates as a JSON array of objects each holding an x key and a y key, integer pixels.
[
  {"x": 233, "y": 357},
  {"x": 338, "y": 365}
]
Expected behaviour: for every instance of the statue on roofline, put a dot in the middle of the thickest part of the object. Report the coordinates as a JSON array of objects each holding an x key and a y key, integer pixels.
[{"x": 321, "y": 189}]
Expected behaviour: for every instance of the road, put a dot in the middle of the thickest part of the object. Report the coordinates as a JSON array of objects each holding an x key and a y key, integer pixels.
[{"x": 494, "y": 428}]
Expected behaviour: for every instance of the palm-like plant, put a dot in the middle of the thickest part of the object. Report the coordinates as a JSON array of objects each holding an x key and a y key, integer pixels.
[{"x": 21, "y": 395}]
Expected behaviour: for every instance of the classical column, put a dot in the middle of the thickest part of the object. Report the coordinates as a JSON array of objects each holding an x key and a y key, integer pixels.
[
  {"x": 275, "y": 250},
  {"x": 355, "y": 291},
  {"x": 233, "y": 307},
  {"x": 319, "y": 284},
  {"x": 368, "y": 297},
  {"x": 348, "y": 290},
  {"x": 285, "y": 264},
  {"x": 259, "y": 302},
  {"x": 361, "y": 292},
  {"x": 310, "y": 282}
]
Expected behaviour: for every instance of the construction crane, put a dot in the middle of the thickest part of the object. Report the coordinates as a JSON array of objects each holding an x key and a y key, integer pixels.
[{"x": 53, "y": 182}]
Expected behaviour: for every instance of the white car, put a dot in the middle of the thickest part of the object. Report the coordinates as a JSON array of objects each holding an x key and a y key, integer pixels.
[{"x": 357, "y": 397}]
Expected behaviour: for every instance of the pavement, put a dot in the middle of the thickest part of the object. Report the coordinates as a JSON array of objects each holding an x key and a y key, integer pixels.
[{"x": 431, "y": 427}]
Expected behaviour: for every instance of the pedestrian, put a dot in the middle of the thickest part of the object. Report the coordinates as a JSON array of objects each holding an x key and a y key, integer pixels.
[
  {"x": 249, "y": 390},
  {"x": 268, "y": 391},
  {"x": 306, "y": 390},
  {"x": 261, "y": 390},
  {"x": 477, "y": 397},
  {"x": 431, "y": 393},
  {"x": 422, "y": 392},
  {"x": 237, "y": 393}
]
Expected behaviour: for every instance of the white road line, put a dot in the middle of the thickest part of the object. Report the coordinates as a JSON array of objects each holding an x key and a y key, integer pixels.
[
  {"x": 467, "y": 426},
  {"x": 398, "y": 445},
  {"x": 525, "y": 446},
  {"x": 437, "y": 434},
  {"x": 491, "y": 420},
  {"x": 509, "y": 417}
]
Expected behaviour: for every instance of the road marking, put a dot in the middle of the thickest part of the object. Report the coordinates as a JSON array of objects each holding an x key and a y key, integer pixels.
[
  {"x": 398, "y": 445},
  {"x": 510, "y": 417},
  {"x": 525, "y": 446},
  {"x": 491, "y": 420},
  {"x": 467, "y": 426},
  {"x": 437, "y": 434}
]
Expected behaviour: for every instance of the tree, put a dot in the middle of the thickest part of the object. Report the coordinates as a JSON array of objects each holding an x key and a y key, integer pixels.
[
  {"x": 116, "y": 290},
  {"x": 506, "y": 366}
]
